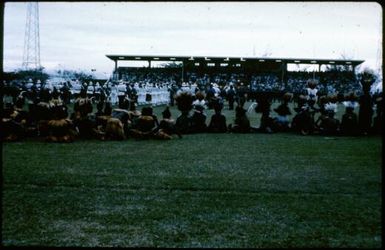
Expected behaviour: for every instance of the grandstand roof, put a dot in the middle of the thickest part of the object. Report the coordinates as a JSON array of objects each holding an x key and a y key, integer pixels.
[{"x": 233, "y": 59}]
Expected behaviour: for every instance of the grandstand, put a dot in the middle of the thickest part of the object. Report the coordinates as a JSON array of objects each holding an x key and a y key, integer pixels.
[{"x": 260, "y": 74}]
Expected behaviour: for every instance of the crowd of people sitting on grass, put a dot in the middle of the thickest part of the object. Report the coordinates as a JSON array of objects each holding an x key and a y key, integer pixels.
[{"x": 48, "y": 115}]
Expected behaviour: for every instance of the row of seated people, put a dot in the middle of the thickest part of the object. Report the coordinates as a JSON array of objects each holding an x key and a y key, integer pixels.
[
  {"x": 302, "y": 122},
  {"x": 50, "y": 119},
  {"x": 184, "y": 100}
]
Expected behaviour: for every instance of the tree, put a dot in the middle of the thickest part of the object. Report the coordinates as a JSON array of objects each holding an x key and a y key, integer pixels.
[
  {"x": 83, "y": 77},
  {"x": 25, "y": 75},
  {"x": 80, "y": 75}
]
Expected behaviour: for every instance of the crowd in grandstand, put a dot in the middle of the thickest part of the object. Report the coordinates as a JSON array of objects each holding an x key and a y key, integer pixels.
[{"x": 48, "y": 114}]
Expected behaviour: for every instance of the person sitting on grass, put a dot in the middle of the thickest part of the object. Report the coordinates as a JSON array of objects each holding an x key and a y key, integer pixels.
[
  {"x": 107, "y": 108},
  {"x": 303, "y": 121},
  {"x": 101, "y": 119},
  {"x": 326, "y": 101},
  {"x": 42, "y": 113},
  {"x": 99, "y": 109},
  {"x": 329, "y": 125},
  {"x": 349, "y": 123},
  {"x": 80, "y": 117},
  {"x": 322, "y": 101},
  {"x": 283, "y": 110},
  {"x": 133, "y": 112},
  {"x": 321, "y": 104},
  {"x": 55, "y": 98},
  {"x": 60, "y": 128},
  {"x": 241, "y": 122},
  {"x": 198, "y": 119},
  {"x": 267, "y": 124},
  {"x": 147, "y": 126},
  {"x": 113, "y": 125},
  {"x": 184, "y": 102},
  {"x": 114, "y": 130},
  {"x": 218, "y": 120},
  {"x": 167, "y": 124},
  {"x": 12, "y": 124}
]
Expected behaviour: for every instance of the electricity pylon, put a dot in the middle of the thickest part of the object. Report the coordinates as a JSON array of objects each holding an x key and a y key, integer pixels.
[{"x": 31, "y": 53}]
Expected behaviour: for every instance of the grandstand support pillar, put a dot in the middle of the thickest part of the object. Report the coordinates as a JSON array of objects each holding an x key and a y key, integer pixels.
[
  {"x": 319, "y": 68},
  {"x": 116, "y": 64},
  {"x": 149, "y": 63},
  {"x": 317, "y": 71},
  {"x": 283, "y": 74}
]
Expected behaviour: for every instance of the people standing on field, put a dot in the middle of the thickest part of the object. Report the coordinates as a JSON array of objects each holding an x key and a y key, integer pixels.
[
  {"x": 366, "y": 103},
  {"x": 230, "y": 94}
]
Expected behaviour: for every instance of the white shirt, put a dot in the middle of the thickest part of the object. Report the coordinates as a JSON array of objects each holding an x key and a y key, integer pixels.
[{"x": 311, "y": 93}]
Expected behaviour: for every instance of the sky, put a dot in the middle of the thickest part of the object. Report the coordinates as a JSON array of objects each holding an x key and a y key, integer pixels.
[{"x": 78, "y": 35}]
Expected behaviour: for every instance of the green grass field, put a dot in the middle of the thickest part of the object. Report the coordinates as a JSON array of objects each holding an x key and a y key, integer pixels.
[{"x": 204, "y": 190}]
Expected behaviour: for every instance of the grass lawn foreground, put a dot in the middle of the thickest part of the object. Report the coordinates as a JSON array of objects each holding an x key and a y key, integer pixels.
[{"x": 204, "y": 190}]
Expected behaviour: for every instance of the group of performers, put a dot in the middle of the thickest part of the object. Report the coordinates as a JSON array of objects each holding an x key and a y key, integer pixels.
[{"x": 49, "y": 117}]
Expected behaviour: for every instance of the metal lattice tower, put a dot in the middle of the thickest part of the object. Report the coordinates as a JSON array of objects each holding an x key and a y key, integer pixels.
[
  {"x": 31, "y": 53},
  {"x": 379, "y": 53}
]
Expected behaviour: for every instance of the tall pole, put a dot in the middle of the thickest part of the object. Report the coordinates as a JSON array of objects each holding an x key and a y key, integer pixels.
[
  {"x": 31, "y": 53},
  {"x": 1, "y": 41}
]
